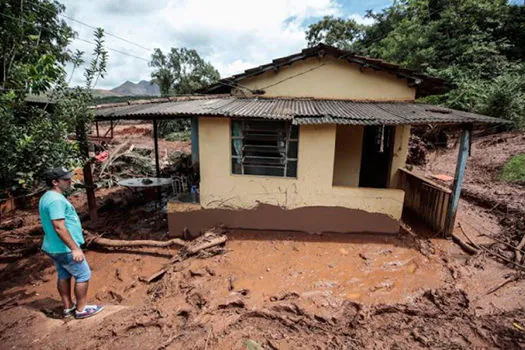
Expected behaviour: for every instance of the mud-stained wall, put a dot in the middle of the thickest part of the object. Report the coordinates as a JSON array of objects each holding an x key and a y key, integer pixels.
[
  {"x": 348, "y": 151},
  {"x": 312, "y": 187},
  {"x": 400, "y": 153},
  {"x": 315, "y": 219},
  {"x": 331, "y": 78}
]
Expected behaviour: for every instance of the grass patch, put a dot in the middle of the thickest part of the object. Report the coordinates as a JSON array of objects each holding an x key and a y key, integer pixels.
[
  {"x": 178, "y": 136},
  {"x": 514, "y": 169}
]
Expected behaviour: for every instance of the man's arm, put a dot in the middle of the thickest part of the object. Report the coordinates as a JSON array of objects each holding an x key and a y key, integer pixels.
[{"x": 62, "y": 231}]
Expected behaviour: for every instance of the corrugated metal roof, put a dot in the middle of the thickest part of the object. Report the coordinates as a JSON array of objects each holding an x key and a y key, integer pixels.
[{"x": 299, "y": 111}]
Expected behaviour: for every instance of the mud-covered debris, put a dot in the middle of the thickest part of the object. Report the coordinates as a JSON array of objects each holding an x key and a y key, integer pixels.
[
  {"x": 364, "y": 257},
  {"x": 206, "y": 241},
  {"x": 385, "y": 285},
  {"x": 326, "y": 284},
  {"x": 285, "y": 296},
  {"x": 232, "y": 303}
]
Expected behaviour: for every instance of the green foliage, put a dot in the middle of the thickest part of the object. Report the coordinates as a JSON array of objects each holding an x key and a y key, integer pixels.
[
  {"x": 479, "y": 45},
  {"x": 514, "y": 170},
  {"x": 34, "y": 50},
  {"x": 504, "y": 97},
  {"x": 167, "y": 127},
  {"x": 33, "y": 44},
  {"x": 338, "y": 32},
  {"x": 182, "y": 71},
  {"x": 178, "y": 136}
]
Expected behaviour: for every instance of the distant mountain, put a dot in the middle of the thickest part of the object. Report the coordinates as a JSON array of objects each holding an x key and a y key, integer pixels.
[{"x": 142, "y": 88}]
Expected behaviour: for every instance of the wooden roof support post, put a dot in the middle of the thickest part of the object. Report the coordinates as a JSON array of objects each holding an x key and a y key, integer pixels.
[
  {"x": 156, "y": 142},
  {"x": 463, "y": 153}
]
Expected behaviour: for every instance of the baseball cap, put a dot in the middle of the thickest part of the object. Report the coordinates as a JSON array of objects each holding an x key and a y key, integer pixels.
[{"x": 58, "y": 174}]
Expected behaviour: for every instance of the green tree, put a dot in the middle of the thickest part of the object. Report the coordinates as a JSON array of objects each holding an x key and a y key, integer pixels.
[
  {"x": 476, "y": 44},
  {"x": 338, "y": 32},
  {"x": 34, "y": 138},
  {"x": 181, "y": 71},
  {"x": 32, "y": 36}
]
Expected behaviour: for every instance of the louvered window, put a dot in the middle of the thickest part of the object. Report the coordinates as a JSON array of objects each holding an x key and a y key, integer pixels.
[{"x": 267, "y": 148}]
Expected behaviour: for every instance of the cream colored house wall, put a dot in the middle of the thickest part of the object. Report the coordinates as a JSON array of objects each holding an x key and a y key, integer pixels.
[
  {"x": 333, "y": 79},
  {"x": 312, "y": 187},
  {"x": 348, "y": 151},
  {"x": 399, "y": 156}
]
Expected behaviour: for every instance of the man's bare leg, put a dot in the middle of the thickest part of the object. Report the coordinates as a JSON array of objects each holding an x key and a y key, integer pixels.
[
  {"x": 64, "y": 289},
  {"x": 81, "y": 289}
]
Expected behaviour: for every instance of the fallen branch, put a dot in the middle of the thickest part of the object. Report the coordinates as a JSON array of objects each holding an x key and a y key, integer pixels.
[
  {"x": 186, "y": 252},
  {"x": 465, "y": 246},
  {"x": 11, "y": 224},
  {"x": 31, "y": 230},
  {"x": 18, "y": 254},
  {"x": 157, "y": 275},
  {"x": 119, "y": 243},
  {"x": 6, "y": 302},
  {"x": 504, "y": 283},
  {"x": 169, "y": 341},
  {"x": 502, "y": 242},
  {"x": 192, "y": 250},
  {"x": 469, "y": 239},
  {"x": 491, "y": 252},
  {"x": 517, "y": 251}
]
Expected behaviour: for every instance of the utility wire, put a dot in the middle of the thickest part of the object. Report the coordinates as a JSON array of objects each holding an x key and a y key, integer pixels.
[
  {"x": 87, "y": 41},
  {"x": 92, "y": 27},
  {"x": 109, "y": 48}
]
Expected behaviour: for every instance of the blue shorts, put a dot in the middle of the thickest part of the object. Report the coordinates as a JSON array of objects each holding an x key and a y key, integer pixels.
[{"x": 67, "y": 267}]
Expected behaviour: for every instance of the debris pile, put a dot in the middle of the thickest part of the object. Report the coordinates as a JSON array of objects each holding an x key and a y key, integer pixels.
[
  {"x": 417, "y": 151},
  {"x": 124, "y": 161}
]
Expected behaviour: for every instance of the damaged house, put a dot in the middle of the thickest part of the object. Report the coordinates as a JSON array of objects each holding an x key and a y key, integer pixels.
[{"x": 315, "y": 141}]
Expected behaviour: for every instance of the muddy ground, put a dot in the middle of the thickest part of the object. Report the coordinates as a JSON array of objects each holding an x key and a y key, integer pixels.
[{"x": 276, "y": 290}]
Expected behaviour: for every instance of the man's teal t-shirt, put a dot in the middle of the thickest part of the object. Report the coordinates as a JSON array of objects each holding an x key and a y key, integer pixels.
[{"x": 54, "y": 206}]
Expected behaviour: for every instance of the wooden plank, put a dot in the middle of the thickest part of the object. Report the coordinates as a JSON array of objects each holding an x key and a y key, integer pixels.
[
  {"x": 424, "y": 179},
  {"x": 439, "y": 211}
]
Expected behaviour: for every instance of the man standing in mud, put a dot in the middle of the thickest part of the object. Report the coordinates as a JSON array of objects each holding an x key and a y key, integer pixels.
[{"x": 62, "y": 240}]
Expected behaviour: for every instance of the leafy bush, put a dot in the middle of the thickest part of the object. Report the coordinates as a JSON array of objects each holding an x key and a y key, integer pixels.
[
  {"x": 514, "y": 170},
  {"x": 178, "y": 136},
  {"x": 166, "y": 127},
  {"x": 504, "y": 97},
  {"x": 32, "y": 142}
]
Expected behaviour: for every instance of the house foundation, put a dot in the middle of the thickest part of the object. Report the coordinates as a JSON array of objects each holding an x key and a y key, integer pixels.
[{"x": 312, "y": 219}]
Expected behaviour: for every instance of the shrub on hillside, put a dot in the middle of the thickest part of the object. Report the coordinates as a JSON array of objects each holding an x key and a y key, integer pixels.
[{"x": 514, "y": 170}]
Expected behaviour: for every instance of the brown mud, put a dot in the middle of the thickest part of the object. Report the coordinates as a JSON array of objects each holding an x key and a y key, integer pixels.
[{"x": 272, "y": 290}]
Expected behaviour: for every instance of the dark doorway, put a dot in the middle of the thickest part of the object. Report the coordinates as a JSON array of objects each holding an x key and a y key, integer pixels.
[{"x": 378, "y": 144}]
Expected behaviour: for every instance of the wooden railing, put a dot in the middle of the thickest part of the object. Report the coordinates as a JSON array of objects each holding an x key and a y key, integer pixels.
[{"x": 426, "y": 198}]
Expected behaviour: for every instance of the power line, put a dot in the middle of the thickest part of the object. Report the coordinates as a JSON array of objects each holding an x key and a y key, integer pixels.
[
  {"x": 109, "y": 48},
  {"x": 87, "y": 41},
  {"x": 92, "y": 27}
]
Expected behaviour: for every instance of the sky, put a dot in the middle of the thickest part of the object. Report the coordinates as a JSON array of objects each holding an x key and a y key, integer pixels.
[{"x": 233, "y": 35}]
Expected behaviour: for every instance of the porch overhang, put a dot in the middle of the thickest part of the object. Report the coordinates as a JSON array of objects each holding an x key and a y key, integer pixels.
[{"x": 299, "y": 111}]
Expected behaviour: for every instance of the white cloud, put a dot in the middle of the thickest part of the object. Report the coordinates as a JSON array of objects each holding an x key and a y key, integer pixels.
[
  {"x": 233, "y": 34},
  {"x": 360, "y": 19}
]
